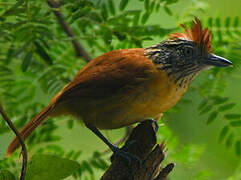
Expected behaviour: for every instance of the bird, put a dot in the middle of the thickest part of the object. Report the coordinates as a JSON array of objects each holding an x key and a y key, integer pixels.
[{"x": 126, "y": 86}]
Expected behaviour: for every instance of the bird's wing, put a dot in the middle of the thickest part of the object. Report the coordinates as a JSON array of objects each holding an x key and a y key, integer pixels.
[{"x": 108, "y": 74}]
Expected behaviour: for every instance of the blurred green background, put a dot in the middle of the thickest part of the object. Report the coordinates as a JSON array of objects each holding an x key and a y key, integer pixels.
[{"x": 191, "y": 144}]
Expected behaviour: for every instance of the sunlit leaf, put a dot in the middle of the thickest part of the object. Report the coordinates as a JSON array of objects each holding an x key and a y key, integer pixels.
[{"x": 46, "y": 167}]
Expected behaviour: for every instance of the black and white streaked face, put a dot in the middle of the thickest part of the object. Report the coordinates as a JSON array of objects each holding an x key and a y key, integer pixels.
[{"x": 183, "y": 58}]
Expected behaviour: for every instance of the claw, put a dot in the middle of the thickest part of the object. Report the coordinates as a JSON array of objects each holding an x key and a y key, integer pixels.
[
  {"x": 126, "y": 156},
  {"x": 156, "y": 124}
]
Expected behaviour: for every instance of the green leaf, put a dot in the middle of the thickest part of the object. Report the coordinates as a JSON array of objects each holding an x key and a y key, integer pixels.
[
  {"x": 158, "y": 5},
  {"x": 206, "y": 110},
  {"x": 136, "y": 18},
  {"x": 70, "y": 123},
  {"x": 232, "y": 116},
  {"x": 152, "y": 6},
  {"x": 229, "y": 140},
  {"x": 42, "y": 53},
  {"x": 123, "y": 4},
  {"x": 226, "y": 107},
  {"x": 168, "y": 10},
  {"x": 218, "y": 22},
  {"x": 22, "y": 49},
  {"x": 6, "y": 175},
  {"x": 104, "y": 12},
  {"x": 27, "y": 60},
  {"x": 220, "y": 100},
  {"x": 10, "y": 54},
  {"x": 235, "y": 123},
  {"x": 145, "y": 17},
  {"x": 49, "y": 167},
  {"x": 238, "y": 147},
  {"x": 210, "y": 22},
  {"x": 236, "y": 22},
  {"x": 111, "y": 7},
  {"x": 107, "y": 35},
  {"x": 223, "y": 133},
  {"x": 212, "y": 117},
  {"x": 86, "y": 166},
  {"x": 95, "y": 16},
  {"x": 227, "y": 22},
  {"x": 80, "y": 13},
  {"x": 76, "y": 155},
  {"x": 15, "y": 9},
  {"x": 146, "y": 4},
  {"x": 219, "y": 33},
  {"x": 203, "y": 103}
]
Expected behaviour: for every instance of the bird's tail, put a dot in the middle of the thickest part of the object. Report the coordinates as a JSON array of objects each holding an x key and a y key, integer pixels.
[{"x": 29, "y": 128}]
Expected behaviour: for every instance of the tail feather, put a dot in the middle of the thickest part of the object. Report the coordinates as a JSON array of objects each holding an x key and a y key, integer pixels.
[{"x": 29, "y": 128}]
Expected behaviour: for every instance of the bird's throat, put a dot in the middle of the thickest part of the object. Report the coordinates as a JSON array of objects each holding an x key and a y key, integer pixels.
[{"x": 181, "y": 76}]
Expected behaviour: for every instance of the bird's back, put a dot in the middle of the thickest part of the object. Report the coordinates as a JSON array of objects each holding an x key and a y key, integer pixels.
[{"x": 117, "y": 89}]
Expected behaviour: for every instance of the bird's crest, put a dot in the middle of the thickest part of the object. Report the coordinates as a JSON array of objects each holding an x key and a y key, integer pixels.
[{"x": 196, "y": 34}]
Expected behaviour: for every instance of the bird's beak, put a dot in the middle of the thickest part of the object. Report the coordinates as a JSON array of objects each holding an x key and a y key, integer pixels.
[{"x": 214, "y": 60}]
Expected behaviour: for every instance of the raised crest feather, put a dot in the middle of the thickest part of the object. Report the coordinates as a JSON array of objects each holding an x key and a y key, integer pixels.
[{"x": 196, "y": 34}]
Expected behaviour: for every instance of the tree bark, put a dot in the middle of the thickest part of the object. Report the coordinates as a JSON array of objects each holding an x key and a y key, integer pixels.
[{"x": 141, "y": 143}]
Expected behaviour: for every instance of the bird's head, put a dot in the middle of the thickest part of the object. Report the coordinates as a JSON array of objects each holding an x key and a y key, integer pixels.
[{"x": 185, "y": 54}]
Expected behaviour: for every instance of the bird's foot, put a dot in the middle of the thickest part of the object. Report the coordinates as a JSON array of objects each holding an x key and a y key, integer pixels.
[
  {"x": 128, "y": 157},
  {"x": 155, "y": 123}
]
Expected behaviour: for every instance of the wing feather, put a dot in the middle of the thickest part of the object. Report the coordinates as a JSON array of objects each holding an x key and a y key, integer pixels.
[{"x": 108, "y": 74}]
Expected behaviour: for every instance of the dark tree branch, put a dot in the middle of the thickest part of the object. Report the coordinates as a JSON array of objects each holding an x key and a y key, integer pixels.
[
  {"x": 24, "y": 150},
  {"x": 79, "y": 50},
  {"x": 147, "y": 150}
]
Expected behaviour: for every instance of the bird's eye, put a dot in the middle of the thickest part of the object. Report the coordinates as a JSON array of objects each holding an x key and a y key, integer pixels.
[{"x": 188, "y": 52}]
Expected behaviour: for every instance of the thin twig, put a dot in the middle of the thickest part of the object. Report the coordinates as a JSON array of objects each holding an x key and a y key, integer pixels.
[
  {"x": 79, "y": 50},
  {"x": 24, "y": 150}
]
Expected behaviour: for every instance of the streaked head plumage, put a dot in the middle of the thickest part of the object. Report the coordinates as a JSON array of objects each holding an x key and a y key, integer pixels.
[
  {"x": 196, "y": 34},
  {"x": 184, "y": 55}
]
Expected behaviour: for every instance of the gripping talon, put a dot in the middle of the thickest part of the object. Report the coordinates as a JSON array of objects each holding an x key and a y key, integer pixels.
[
  {"x": 156, "y": 124},
  {"x": 125, "y": 155}
]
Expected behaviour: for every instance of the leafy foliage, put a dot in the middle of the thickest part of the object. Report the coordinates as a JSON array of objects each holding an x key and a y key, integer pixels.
[
  {"x": 6, "y": 175},
  {"x": 50, "y": 167},
  {"x": 214, "y": 101}
]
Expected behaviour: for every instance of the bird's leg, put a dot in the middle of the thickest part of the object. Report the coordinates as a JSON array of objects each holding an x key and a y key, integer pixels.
[
  {"x": 155, "y": 123},
  {"x": 116, "y": 151}
]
